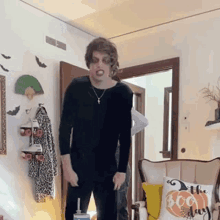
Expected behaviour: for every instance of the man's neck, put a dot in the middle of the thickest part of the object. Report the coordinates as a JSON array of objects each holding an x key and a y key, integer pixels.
[{"x": 108, "y": 83}]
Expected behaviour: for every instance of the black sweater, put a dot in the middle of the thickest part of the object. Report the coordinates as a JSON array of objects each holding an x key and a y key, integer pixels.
[{"x": 96, "y": 127}]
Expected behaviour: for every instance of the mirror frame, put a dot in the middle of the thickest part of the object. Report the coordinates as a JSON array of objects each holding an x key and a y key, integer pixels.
[
  {"x": 166, "y": 118},
  {"x": 155, "y": 67},
  {"x": 3, "y": 150}
]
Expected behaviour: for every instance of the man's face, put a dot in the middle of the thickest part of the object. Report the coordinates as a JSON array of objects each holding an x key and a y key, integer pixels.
[{"x": 100, "y": 66}]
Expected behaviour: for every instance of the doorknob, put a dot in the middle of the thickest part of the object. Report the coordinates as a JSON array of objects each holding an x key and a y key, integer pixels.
[{"x": 183, "y": 150}]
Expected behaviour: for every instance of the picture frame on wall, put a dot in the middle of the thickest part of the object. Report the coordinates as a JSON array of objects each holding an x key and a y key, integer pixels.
[{"x": 3, "y": 150}]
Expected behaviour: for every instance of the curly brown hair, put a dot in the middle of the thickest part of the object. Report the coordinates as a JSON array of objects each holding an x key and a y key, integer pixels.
[{"x": 103, "y": 45}]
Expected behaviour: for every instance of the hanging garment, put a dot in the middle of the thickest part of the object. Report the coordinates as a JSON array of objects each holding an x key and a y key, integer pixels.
[{"x": 44, "y": 172}]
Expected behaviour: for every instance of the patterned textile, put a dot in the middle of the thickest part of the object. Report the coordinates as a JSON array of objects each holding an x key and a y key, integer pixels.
[{"x": 44, "y": 172}]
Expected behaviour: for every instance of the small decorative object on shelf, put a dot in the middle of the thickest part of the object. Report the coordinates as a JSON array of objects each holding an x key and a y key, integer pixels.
[
  {"x": 217, "y": 112},
  {"x": 212, "y": 95},
  {"x": 213, "y": 125}
]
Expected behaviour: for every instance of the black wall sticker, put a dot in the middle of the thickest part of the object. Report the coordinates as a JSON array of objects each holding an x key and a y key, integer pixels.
[
  {"x": 39, "y": 63},
  {"x": 14, "y": 112},
  {"x": 4, "y": 68},
  {"x": 6, "y": 57}
]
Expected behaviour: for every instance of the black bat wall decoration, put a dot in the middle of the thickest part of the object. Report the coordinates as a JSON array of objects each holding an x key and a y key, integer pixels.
[
  {"x": 39, "y": 63},
  {"x": 6, "y": 57},
  {"x": 14, "y": 112},
  {"x": 4, "y": 68}
]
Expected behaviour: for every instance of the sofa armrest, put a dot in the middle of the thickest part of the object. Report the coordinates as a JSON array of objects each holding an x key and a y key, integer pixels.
[
  {"x": 140, "y": 203},
  {"x": 140, "y": 210}
]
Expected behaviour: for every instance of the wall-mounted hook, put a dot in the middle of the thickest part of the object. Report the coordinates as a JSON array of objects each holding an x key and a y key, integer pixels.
[{"x": 28, "y": 110}]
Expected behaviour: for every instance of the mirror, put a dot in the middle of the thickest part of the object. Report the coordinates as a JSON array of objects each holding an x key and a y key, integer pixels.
[{"x": 2, "y": 116}]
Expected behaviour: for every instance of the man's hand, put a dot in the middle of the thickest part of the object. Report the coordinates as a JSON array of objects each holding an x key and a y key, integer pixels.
[
  {"x": 71, "y": 176},
  {"x": 68, "y": 172},
  {"x": 118, "y": 180}
]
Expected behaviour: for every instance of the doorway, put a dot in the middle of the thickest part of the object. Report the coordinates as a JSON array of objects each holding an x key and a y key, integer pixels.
[{"x": 157, "y": 70}]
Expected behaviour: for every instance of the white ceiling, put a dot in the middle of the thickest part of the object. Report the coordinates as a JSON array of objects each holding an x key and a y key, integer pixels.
[{"x": 111, "y": 18}]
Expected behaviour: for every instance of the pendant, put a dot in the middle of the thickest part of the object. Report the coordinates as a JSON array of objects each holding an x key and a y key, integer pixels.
[{"x": 98, "y": 100}]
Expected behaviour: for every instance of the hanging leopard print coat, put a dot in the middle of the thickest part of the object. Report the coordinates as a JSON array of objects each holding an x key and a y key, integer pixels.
[{"x": 44, "y": 172}]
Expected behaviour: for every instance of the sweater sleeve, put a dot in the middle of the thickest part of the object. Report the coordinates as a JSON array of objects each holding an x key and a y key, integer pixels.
[
  {"x": 125, "y": 130},
  {"x": 67, "y": 119}
]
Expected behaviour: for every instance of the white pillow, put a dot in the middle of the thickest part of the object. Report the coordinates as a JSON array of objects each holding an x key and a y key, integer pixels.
[{"x": 185, "y": 201}]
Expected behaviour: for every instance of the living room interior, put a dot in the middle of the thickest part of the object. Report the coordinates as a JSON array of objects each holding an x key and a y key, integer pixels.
[{"x": 144, "y": 32}]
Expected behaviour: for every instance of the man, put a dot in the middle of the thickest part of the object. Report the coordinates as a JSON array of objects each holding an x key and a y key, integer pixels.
[{"x": 98, "y": 109}]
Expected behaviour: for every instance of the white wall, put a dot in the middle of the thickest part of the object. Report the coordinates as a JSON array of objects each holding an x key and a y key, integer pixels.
[
  {"x": 23, "y": 29},
  {"x": 196, "y": 41}
]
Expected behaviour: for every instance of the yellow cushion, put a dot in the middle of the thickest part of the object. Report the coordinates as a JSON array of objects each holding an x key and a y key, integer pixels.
[{"x": 154, "y": 197}]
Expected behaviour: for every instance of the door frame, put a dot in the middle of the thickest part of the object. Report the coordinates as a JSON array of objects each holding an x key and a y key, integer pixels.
[
  {"x": 139, "y": 148},
  {"x": 155, "y": 67}
]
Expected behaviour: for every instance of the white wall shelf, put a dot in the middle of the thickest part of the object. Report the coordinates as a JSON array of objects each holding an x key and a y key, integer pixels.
[{"x": 215, "y": 126}]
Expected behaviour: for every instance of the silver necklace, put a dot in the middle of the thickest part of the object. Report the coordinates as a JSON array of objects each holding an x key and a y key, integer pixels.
[{"x": 97, "y": 95}]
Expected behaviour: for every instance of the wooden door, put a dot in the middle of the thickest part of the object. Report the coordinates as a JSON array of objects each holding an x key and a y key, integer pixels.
[{"x": 67, "y": 73}]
